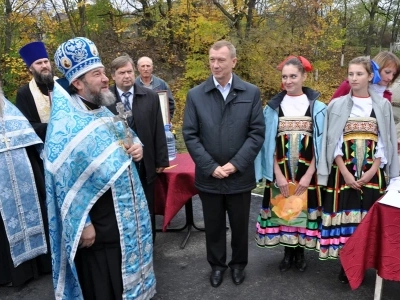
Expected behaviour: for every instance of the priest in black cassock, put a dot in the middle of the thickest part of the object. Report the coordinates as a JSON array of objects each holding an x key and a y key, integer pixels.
[
  {"x": 34, "y": 98},
  {"x": 34, "y": 101},
  {"x": 22, "y": 197}
]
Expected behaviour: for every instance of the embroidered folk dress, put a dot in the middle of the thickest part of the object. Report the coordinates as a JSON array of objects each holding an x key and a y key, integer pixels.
[
  {"x": 344, "y": 207},
  {"x": 294, "y": 152}
]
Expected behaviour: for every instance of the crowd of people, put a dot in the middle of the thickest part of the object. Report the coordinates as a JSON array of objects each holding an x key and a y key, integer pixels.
[{"x": 81, "y": 158}]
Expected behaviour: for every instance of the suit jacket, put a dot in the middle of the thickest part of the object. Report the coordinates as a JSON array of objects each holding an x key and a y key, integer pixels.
[{"x": 147, "y": 122}]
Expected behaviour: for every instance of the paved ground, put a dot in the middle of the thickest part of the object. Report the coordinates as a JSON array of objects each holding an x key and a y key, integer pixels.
[{"x": 183, "y": 273}]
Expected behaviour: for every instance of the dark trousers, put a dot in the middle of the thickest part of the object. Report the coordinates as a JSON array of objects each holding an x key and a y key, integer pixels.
[
  {"x": 99, "y": 272},
  {"x": 215, "y": 207},
  {"x": 148, "y": 189}
]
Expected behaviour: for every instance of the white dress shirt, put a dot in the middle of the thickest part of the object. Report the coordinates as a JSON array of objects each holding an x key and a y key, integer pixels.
[
  {"x": 123, "y": 98},
  {"x": 223, "y": 89}
]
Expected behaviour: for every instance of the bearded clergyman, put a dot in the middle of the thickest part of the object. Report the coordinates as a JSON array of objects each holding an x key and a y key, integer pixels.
[
  {"x": 34, "y": 98},
  {"x": 100, "y": 230},
  {"x": 34, "y": 101},
  {"x": 22, "y": 233}
]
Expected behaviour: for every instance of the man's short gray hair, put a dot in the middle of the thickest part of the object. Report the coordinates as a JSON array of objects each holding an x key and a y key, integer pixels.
[{"x": 218, "y": 45}]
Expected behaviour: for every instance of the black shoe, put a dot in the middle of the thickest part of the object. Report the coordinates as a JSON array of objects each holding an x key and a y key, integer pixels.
[
  {"x": 287, "y": 260},
  {"x": 342, "y": 276},
  {"x": 299, "y": 260},
  {"x": 237, "y": 276},
  {"x": 216, "y": 278}
]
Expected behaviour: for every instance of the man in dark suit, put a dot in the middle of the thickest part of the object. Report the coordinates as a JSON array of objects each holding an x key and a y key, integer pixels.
[
  {"x": 223, "y": 128},
  {"x": 146, "y": 121}
]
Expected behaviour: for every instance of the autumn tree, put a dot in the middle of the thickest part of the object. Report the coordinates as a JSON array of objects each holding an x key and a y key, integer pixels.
[
  {"x": 240, "y": 14},
  {"x": 372, "y": 8},
  {"x": 18, "y": 26},
  {"x": 177, "y": 35}
]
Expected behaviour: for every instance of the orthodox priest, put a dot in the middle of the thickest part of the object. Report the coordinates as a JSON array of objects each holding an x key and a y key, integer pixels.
[
  {"x": 22, "y": 235},
  {"x": 100, "y": 230},
  {"x": 34, "y": 98}
]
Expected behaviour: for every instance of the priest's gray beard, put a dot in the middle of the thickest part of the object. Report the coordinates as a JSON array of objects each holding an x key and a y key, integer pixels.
[
  {"x": 102, "y": 98},
  {"x": 43, "y": 78}
]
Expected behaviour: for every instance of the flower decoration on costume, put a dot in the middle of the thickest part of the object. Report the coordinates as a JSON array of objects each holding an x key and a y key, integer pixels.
[
  {"x": 76, "y": 57},
  {"x": 375, "y": 70},
  {"x": 287, "y": 208}
]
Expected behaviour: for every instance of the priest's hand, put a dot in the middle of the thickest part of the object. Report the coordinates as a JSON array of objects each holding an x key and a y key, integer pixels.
[
  {"x": 88, "y": 236},
  {"x": 136, "y": 151}
]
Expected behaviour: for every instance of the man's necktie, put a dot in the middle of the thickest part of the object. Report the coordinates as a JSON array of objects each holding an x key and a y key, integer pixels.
[{"x": 125, "y": 100}]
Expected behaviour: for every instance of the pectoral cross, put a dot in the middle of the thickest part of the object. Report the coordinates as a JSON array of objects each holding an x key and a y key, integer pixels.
[
  {"x": 6, "y": 141},
  {"x": 123, "y": 116}
]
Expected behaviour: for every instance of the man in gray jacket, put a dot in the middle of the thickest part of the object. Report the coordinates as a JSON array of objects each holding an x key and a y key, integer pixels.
[
  {"x": 150, "y": 81},
  {"x": 223, "y": 128}
]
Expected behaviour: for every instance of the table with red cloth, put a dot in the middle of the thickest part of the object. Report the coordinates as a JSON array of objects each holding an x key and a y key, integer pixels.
[
  {"x": 174, "y": 188},
  {"x": 374, "y": 244}
]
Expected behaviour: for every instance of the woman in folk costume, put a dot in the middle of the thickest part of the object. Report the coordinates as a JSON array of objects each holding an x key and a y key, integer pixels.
[
  {"x": 294, "y": 119},
  {"x": 359, "y": 147},
  {"x": 389, "y": 70}
]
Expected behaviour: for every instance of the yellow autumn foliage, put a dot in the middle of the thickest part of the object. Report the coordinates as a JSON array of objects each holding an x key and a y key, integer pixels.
[{"x": 178, "y": 38}]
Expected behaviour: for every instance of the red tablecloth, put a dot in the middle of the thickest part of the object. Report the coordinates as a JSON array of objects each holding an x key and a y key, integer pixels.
[
  {"x": 374, "y": 244},
  {"x": 174, "y": 187}
]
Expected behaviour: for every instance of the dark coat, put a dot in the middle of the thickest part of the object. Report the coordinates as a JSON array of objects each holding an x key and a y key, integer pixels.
[
  {"x": 217, "y": 132},
  {"x": 147, "y": 122}
]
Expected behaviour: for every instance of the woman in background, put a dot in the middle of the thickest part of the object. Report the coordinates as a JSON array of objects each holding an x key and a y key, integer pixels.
[{"x": 389, "y": 70}]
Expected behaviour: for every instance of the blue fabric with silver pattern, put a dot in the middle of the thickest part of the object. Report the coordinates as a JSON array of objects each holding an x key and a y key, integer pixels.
[
  {"x": 83, "y": 159},
  {"x": 19, "y": 202},
  {"x": 76, "y": 57}
]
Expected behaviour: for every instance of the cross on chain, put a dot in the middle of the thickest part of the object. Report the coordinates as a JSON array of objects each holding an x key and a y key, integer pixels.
[{"x": 123, "y": 116}]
